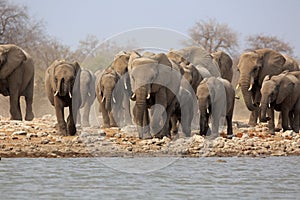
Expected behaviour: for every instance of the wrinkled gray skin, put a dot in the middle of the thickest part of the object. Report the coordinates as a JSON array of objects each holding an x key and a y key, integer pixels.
[
  {"x": 282, "y": 93},
  {"x": 120, "y": 65},
  {"x": 198, "y": 56},
  {"x": 17, "y": 79},
  {"x": 88, "y": 95},
  {"x": 62, "y": 83},
  {"x": 225, "y": 64},
  {"x": 253, "y": 67},
  {"x": 106, "y": 95},
  {"x": 153, "y": 81},
  {"x": 216, "y": 101},
  {"x": 183, "y": 114}
]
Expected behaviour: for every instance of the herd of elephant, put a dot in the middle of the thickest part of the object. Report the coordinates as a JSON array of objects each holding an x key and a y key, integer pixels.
[{"x": 160, "y": 92}]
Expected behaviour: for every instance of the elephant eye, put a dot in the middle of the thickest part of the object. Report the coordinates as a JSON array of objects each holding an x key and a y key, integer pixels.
[{"x": 55, "y": 79}]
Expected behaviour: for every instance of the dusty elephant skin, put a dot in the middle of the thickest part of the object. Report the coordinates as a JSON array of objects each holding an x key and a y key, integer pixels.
[
  {"x": 282, "y": 93},
  {"x": 216, "y": 100},
  {"x": 253, "y": 67},
  {"x": 17, "y": 79},
  {"x": 106, "y": 92},
  {"x": 88, "y": 95},
  {"x": 159, "y": 85},
  {"x": 62, "y": 82}
]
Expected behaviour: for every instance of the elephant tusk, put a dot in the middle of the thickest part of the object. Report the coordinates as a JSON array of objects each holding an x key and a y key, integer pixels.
[
  {"x": 133, "y": 96},
  {"x": 148, "y": 96},
  {"x": 114, "y": 100},
  {"x": 103, "y": 98},
  {"x": 125, "y": 85},
  {"x": 237, "y": 86},
  {"x": 207, "y": 110},
  {"x": 89, "y": 94},
  {"x": 70, "y": 95},
  {"x": 56, "y": 93},
  {"x": 269, "y": 105},
  {"x": 250, "y": 88}
]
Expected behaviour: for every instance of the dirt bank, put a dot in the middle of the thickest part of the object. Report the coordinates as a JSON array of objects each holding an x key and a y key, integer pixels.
[{"x": 39, "y": 138}]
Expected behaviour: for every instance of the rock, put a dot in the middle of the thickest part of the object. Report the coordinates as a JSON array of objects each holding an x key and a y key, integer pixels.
[
  {"x": 118, "y": 135},
  {"x": 197, "y": 138},
  {"x": 289, "y": 133},
  {"x": 129, "y": 129},
  {"x": 245, "y": 136},
  {"x": 19, "y": 133},
  {"x": 45, "y": 141},
  {"x": 101, "y": 132},
  {"x": 2, "y": 134},
  {"x": 31, "y": 135},
  {"x": 2, "y": 138},
  {"x": 129, "y": 148}
]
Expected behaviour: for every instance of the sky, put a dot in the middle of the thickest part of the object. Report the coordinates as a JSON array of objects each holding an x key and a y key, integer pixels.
[{"x": 72, "y": 20}]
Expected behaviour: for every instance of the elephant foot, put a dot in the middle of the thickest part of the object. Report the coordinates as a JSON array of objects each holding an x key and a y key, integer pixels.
[
  {"x": 29, "y": 116},
  {"x": 146, "y": 136},
  {"x": 71, "y": 129},
  {"x": 16, "y": 118},
  {"x": 113, "y": 125},
  {"x": 230, "y": 136},
  {"x": 277, "y": 129},
  {"x": 62, "y": 128},
  {"x": 252, "y": 124},
  {"x": 85, "y": 124},
  {"x": 105, "y": 126}
]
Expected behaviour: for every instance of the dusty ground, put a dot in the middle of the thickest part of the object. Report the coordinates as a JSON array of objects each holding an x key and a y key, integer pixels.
[{"x": 39, "y": 138}]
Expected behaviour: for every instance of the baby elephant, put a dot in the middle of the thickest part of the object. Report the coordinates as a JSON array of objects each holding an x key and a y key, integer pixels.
[
  {"x": 216, "y": 100},
  {"x": 282, "y": 93},
  {"x": 62, "y": 88}
]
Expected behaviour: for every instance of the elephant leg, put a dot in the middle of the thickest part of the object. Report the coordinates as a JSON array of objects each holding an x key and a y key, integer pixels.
[
  {"x": 279, "y": 123},
  {"x": 174, "y": 126},
  {"x": 285, "y": 117},
  {"x": 29, "y": 99},
  {"x": 86, "y": 115},
  {"x": 15, "y": 109},
  {"x": 105, "y": 115},
  {"x": 253, "y": 118},
  {"x": 127, "y": 114},
  {"x": 112, "y": 120},
  {"x": 146, "y": 128},
  {"x": 186, "y": 119},
  {"x": 78, "y": 117},
  {"x": 59, "y": 110},
  {"x": 271, "y": 123},
  {"x": 71, "y": 130},
  {"x": 229, "y": 126}
]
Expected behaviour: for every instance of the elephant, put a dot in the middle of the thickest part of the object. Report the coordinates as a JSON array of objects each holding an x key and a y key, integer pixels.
[
  {"x": 198, "y": 56},
  {"x": 183, "y": 113},
  {"x": 216, "y": 100},
  {"x": 17, "y": 79},
  {"x": 109, "y": 94},
  {"x": 88, "y": 95},
  {"x": 282, "y": 93},
  {"x": 225, "y": 64},
  {"x": 155, "y": 80},
  {"x": 120, "y": 65},
  {"x": 62, "y": 84},
  {"x": 253, "y": 67}
]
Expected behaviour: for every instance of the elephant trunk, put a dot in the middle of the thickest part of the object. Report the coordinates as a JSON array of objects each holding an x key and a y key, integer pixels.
[
  {"x": 245, "y": 86},
  {"x": 264, "y": 107},
  {"x": 108, "y": 96},
  {"x": 141, "y": 105}
]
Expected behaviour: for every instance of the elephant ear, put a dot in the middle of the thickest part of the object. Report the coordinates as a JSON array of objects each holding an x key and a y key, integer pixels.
[
  {"x": 50, "y": 72},
  {"x": 13, "y": 57},
  {"x": 77, "y": 68},
  {"x": 162, "y": 59},
  {"x": 285, "y": 89}
]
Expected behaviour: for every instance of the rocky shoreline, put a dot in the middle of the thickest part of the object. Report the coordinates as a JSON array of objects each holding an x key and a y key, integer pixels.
[{"x": 39, "y": 138}]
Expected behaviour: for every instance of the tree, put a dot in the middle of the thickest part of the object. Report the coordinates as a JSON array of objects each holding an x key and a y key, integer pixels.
[
  {"x": 214, "y": 36},
  {"x": 17, "y": 27},
  {"x": 272, "y": 42}
]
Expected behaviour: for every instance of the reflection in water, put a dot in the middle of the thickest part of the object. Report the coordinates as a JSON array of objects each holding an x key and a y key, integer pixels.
[{"x": 182, "y": 178}]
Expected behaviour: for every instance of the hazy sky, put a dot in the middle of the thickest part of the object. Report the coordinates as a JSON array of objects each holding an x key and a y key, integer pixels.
[{"x": 71, "y": 20}]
